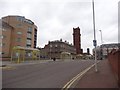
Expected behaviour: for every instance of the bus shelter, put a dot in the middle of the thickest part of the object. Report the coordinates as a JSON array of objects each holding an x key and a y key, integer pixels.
[
  {"x": 66, "y": 55},
  {"x": 19, "y": 54}
]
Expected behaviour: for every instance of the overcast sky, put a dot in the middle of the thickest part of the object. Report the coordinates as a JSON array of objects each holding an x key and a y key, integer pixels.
[{"x": 55, "y": 19}]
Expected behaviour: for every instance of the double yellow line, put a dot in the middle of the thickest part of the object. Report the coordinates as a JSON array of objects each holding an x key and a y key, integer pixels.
[{"x": 79, "y": 76}]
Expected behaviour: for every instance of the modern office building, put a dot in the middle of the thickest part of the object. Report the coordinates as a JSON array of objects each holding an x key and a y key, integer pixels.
[
  {"x": 17, "y": 31},
  {"x": 54, "y": 49}
]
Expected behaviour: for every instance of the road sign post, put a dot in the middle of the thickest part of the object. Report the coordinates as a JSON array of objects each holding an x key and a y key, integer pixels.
[{"x": 94, "y": 41}]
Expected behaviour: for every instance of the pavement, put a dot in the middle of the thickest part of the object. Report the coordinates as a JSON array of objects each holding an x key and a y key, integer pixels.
[
  {"x": 27, "y": 62},
  {"x": 104, "y": 78}
]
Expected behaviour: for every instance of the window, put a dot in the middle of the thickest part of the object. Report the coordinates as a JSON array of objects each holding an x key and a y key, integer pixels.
[
  {"x": 56, "y": 45},
  {"x": 2, "y": 44},
  {"x": 19, "y": 33},
  {"x": 1, "y": 36},
  {"x": 19, "y": 18},
  {"x": 29, "y": 35},
  {"x": 50, "y": 45},
  {"x": 29, "y": 29},
  {"x": 29, "y": 21},
  {"x": 29, "y": 42},
  {"x": 18, "y": 39},
  {"x": 28, "y": 46}
]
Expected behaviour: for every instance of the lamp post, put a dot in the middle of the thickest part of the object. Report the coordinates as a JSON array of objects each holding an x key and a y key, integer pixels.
[
  {"x": 101, "y": 37},
  {"x": 101, "y": 45},
  {"x": 94, "y": 41},
  {"x": 50, "y": 51}
]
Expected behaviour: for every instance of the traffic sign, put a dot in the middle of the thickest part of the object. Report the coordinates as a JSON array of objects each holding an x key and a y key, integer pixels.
[{"x": 94, "y": 42}]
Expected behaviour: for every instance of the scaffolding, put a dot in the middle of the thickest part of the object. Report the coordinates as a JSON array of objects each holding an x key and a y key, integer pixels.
[{"x": 18, "y": 54}]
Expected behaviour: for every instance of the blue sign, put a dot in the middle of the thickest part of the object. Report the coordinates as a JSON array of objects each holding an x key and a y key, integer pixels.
[{"x": 94, "y": 42}]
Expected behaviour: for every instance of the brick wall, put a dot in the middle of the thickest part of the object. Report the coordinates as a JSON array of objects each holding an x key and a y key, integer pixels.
[{"x": 114, "y": 59}]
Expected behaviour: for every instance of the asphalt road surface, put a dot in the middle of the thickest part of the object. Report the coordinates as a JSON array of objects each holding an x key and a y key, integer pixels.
[{"x": 43, "y": 75}]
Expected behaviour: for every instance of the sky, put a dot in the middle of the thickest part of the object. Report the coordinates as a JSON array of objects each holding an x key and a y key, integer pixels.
[{"x": 56, "y": 19}]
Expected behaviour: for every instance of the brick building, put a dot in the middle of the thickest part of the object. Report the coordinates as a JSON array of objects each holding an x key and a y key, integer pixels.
[
  {"x": 103, "y": 50},
  {"x": 54, "y": 49},
  {"x": 16, "y": 31},
  {"x": 77, "y": 40}
]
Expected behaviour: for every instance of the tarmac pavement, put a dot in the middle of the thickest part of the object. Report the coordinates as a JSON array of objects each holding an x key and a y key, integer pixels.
[{"x": 104, "y": 78}]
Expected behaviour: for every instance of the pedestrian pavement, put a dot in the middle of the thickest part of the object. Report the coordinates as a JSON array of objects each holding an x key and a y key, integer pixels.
[
  {"x": 104, "y": 78},
  {"x": 27, "y": 62}
]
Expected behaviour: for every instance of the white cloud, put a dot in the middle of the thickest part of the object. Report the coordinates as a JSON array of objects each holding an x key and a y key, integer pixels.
[{"x": 56, "y": 18}]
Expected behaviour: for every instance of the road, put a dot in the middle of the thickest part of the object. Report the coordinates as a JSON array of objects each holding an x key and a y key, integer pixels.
[{"x": 43, "y": 75}]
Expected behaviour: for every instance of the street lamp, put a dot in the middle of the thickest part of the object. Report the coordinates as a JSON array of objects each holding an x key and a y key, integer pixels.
[
  {"x": 50, "y": 50},
  {"x": 101, "y": 37},
  {"x": 101, "y": 45},
  {"x": 94, "y": 41}
]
